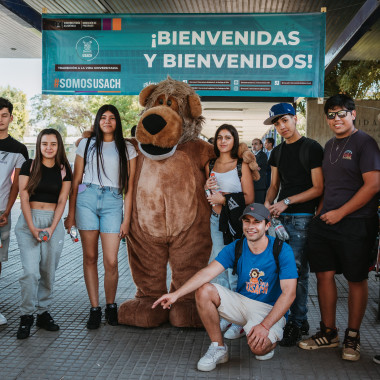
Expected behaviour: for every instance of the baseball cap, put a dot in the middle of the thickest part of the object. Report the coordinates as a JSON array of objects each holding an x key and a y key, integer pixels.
[
  {"x": 279, "y": 110},
  {"x": 258, "y": 211}
]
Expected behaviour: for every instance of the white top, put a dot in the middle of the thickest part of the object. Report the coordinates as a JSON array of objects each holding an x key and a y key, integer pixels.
[
  {"x": 110, "y": 176},
  {"x": 228, "y": 182}
]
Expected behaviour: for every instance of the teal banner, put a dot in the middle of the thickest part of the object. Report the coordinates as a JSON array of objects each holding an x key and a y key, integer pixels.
[{"x": 270, "y": 55}]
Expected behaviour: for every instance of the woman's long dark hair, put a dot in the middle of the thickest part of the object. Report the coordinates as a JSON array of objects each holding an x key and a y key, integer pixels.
[
  {"x": 120, "y": 143},
  {"x": 230, "y": 128},
  {"x": 60, "y": 159}
]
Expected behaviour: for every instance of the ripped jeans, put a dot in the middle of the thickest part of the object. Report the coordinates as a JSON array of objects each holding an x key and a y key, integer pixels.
[{"x": 297, "y": 227}]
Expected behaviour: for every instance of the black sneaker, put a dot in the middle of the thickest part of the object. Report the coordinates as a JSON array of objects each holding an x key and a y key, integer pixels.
[
  {"x": 26, "y": 323},
  {"x": 45, "y": 321},
  {"x": 305, "y": 327},
  {"x": 95, "y": 318},
  {"x": 292, "y": 334},
  {"x": 324, "y": 338},
  {"x": 351, "y": 345},
  {"x": 111, "y": 314}
]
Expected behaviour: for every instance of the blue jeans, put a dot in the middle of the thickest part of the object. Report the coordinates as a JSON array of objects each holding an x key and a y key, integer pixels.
[
  {"x": 99, "y": 208},
  {"x": 297, "y": 225},
  {"x": 226, "y": 279}
]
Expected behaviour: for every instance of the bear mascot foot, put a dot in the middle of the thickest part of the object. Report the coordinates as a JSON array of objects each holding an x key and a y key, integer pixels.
[
  {"x": 139, "y": 312},
  {"x": 185, "y": 314}
]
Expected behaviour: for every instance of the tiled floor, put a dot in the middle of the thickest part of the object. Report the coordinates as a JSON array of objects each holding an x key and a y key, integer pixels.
[{"x": 166, "y": 352}]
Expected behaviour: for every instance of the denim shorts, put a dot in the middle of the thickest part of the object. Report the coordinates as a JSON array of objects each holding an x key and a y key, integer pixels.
[{"x": 99, "y": 208}]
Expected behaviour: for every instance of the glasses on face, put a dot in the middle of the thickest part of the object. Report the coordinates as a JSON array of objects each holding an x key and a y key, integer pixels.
[{"x": 341, "y": 114}]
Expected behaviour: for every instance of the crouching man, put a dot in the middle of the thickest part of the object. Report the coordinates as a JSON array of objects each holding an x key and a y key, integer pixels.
[{"x": 266, "y": 288}]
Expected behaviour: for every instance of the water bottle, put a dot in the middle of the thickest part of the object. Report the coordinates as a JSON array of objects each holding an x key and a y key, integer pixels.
[
  {"x": 74, "y": 234},
  {"x": 280, "y": 229},
  {"x": 43, "y": 235},
  {"x": 216, "y": 189}
]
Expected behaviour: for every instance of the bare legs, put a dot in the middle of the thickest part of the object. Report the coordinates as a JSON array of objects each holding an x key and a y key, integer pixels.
[
  {"x": 327, "y": 297},
  {"x": 110, "y": 244},
  {"x": 207, "y": 298},
  {"x": 357, "y": 303}
]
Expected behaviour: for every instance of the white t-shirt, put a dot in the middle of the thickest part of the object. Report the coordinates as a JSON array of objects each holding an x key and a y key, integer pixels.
[{"x": 110, "y": 175}]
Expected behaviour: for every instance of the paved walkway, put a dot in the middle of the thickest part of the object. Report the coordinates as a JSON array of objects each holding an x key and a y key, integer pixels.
[{"x": 166, "y": 352}]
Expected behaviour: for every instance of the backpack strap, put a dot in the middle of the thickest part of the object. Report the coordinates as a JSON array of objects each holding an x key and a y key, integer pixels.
[
  {"x": 305, "y": 153},
  {"x": 277, "y": 247},
  {"x": 211, "y": 164},
  {"x": 238, "y": 252},
  {"x": 278, "y": 155},
  {"x": 238, "y": 167},
  {"x": 63, "y": 172}
]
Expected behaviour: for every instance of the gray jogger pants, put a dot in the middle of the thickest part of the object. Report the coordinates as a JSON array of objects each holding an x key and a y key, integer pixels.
[{"x": 39, "y": 261}]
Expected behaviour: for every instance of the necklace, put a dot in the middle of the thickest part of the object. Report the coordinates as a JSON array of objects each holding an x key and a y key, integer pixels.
[{"x": 332, "y": 146}]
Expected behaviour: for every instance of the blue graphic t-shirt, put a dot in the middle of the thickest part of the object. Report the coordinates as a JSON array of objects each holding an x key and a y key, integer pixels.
[{"x": 257, "y": 276}]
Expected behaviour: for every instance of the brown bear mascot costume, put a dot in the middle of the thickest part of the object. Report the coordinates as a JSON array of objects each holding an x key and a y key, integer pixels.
[{"x": 171, "y": 216}]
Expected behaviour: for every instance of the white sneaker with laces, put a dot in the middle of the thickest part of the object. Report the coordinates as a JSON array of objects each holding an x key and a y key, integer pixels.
[
  {"x": 267, "y": 356},
  {"x": 234, "y": 332},
  {"x": 224, "y": 325},
  {"x": 3, "y": 320},
  {"x": 214, "y": 355}
]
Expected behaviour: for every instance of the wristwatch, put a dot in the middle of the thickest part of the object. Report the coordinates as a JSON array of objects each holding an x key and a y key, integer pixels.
[{"x": 287, "y": 201}]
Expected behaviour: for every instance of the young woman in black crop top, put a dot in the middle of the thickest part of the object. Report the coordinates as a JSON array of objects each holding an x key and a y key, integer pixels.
[{"x": 44, "y": 187}]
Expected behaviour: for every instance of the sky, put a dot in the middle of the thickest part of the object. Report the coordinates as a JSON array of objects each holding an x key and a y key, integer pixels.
[{"x": 24, "y": 74}]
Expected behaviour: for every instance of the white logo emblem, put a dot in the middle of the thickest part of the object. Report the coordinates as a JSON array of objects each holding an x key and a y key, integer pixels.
[{"x": 87, "y": 48}]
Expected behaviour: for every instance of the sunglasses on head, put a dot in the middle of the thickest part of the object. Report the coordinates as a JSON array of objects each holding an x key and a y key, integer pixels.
[{"x": 341, "y": 114}]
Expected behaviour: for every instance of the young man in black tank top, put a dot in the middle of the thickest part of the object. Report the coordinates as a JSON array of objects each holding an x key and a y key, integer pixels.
[{"x": 297, "y": 180}]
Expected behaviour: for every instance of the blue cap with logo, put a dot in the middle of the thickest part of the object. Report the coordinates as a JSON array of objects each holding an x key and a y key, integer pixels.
[{"x": 279, "y": 110}]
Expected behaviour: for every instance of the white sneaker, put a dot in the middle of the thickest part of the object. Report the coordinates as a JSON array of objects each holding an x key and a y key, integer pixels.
[
  {"x": 214, "y": 355},
  {"x": 234, "y": 332},
  {"x": 3, "y": 320},
  {"x": 224, "y": 325},
  {"x": 267, "y": 356}
]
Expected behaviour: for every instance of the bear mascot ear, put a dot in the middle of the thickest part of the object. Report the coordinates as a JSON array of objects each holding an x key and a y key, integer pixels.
[
  {"x": 195, "y": 106},
  {"x": 144, "y": 94}
]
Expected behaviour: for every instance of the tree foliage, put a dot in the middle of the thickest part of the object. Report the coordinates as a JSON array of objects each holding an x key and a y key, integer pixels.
[
  {"x": 18, "y": 98},
  {"x": 359, "y": 79},
  {"x": 61, "y": 111}
]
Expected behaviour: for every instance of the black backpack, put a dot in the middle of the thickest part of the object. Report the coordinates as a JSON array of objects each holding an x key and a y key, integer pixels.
[
  {"x": 277, "y": 247},
  {"x": 304, "y": 154}
]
